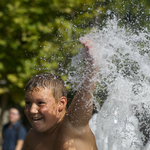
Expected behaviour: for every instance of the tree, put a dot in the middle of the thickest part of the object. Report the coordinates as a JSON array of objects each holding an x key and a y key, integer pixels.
[
  {"x": 38, "y": 36},
  {"x": 42, "y": 36}
]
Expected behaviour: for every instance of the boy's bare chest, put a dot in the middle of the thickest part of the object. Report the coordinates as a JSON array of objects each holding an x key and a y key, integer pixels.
[
  {"x": 68, "y": 144},
  {"x": 59, "y": 142},
  {"x": 63, "y": 142},
  {"x": 49, "y": 144},
  {"x": 65, "y": 138}
]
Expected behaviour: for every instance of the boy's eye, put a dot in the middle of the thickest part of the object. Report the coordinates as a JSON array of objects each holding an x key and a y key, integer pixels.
[
  {"x": 28, "y": 103},
  {"x": 40, "y": 103}
]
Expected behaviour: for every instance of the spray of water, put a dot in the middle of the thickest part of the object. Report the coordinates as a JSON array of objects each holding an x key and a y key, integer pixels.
[{"x": 123, "y": 58}]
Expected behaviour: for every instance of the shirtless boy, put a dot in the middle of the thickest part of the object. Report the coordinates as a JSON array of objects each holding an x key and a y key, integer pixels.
[{"x": 54, "y": 127}]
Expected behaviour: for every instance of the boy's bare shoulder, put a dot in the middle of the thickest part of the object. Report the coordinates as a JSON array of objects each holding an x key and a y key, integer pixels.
[
  {"x": 72, "y": 137},
  {"x": 31, "y": 133},
  {"x": 31, "y": 140}
]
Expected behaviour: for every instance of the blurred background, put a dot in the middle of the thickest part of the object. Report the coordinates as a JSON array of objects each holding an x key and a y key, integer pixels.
[{"x": 43, "y": 35}]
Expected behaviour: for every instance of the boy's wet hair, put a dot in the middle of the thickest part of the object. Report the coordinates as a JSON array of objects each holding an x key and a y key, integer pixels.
[{"x": 47, "y": 80}]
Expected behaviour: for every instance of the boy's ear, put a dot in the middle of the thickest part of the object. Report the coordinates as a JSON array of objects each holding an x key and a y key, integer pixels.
[{"x": 62, "y": 103}]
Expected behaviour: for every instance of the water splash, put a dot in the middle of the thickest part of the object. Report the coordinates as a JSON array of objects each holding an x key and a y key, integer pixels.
[{"x": 123, "y": 58}]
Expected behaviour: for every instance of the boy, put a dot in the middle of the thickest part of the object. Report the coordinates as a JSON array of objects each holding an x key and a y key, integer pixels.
[{"x": 54, "y": 127}]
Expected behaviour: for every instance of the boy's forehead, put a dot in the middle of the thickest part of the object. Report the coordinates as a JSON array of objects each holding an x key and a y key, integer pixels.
[{"x": 41, "y": 90}]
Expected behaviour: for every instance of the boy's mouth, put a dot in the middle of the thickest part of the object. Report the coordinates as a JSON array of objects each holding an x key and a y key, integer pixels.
[{"x": 37, "y": 119}]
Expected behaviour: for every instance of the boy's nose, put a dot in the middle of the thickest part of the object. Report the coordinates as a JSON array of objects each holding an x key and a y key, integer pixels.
[{"x": 33, "y": 109}]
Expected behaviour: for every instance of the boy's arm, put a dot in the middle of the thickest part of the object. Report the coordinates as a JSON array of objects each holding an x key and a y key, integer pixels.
[{"x": 80, "y": 110}]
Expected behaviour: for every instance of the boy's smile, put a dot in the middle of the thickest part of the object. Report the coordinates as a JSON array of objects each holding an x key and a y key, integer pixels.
[{"x": 41, "y": 109}]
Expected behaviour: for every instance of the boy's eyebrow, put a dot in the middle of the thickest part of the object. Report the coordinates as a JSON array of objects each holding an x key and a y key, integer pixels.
[
  {"x": 38, "y": 99},
  {"x": 26, "y": 99}
]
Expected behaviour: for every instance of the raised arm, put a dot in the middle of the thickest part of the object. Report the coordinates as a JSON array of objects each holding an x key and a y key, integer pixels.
[{"x": 80, "y": 110}]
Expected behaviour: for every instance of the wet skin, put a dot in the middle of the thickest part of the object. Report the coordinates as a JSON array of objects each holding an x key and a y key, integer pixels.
[
  {"x": 41, "y": 109},
  {"x": 52, "y": 129}
]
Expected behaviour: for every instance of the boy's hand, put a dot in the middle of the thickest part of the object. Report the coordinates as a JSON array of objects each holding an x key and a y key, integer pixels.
[{"x": 89, "y": 50}]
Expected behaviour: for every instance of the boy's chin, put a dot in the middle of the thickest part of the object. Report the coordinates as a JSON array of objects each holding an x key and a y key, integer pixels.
[{"x": 40, "y": 130}]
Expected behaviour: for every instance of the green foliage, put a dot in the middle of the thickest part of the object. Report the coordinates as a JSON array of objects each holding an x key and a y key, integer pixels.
[
  {"x": 133, "y": 13},
  {"x": 42, "y": 35},
  {"x": 39, "y": 36}
]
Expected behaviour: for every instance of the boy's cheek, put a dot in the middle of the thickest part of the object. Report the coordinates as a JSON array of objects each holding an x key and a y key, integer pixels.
[{"x": 26, "y": 111}]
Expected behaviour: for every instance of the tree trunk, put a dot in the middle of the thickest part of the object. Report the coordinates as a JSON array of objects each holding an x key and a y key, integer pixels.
[{"x": 3, "y": 106}]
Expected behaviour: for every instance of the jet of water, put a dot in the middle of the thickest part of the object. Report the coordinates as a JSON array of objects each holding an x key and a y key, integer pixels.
[{"x": 123, "y": 58}]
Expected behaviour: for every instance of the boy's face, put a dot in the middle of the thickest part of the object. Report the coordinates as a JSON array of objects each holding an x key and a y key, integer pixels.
[{"x": 41, "y": 109}]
